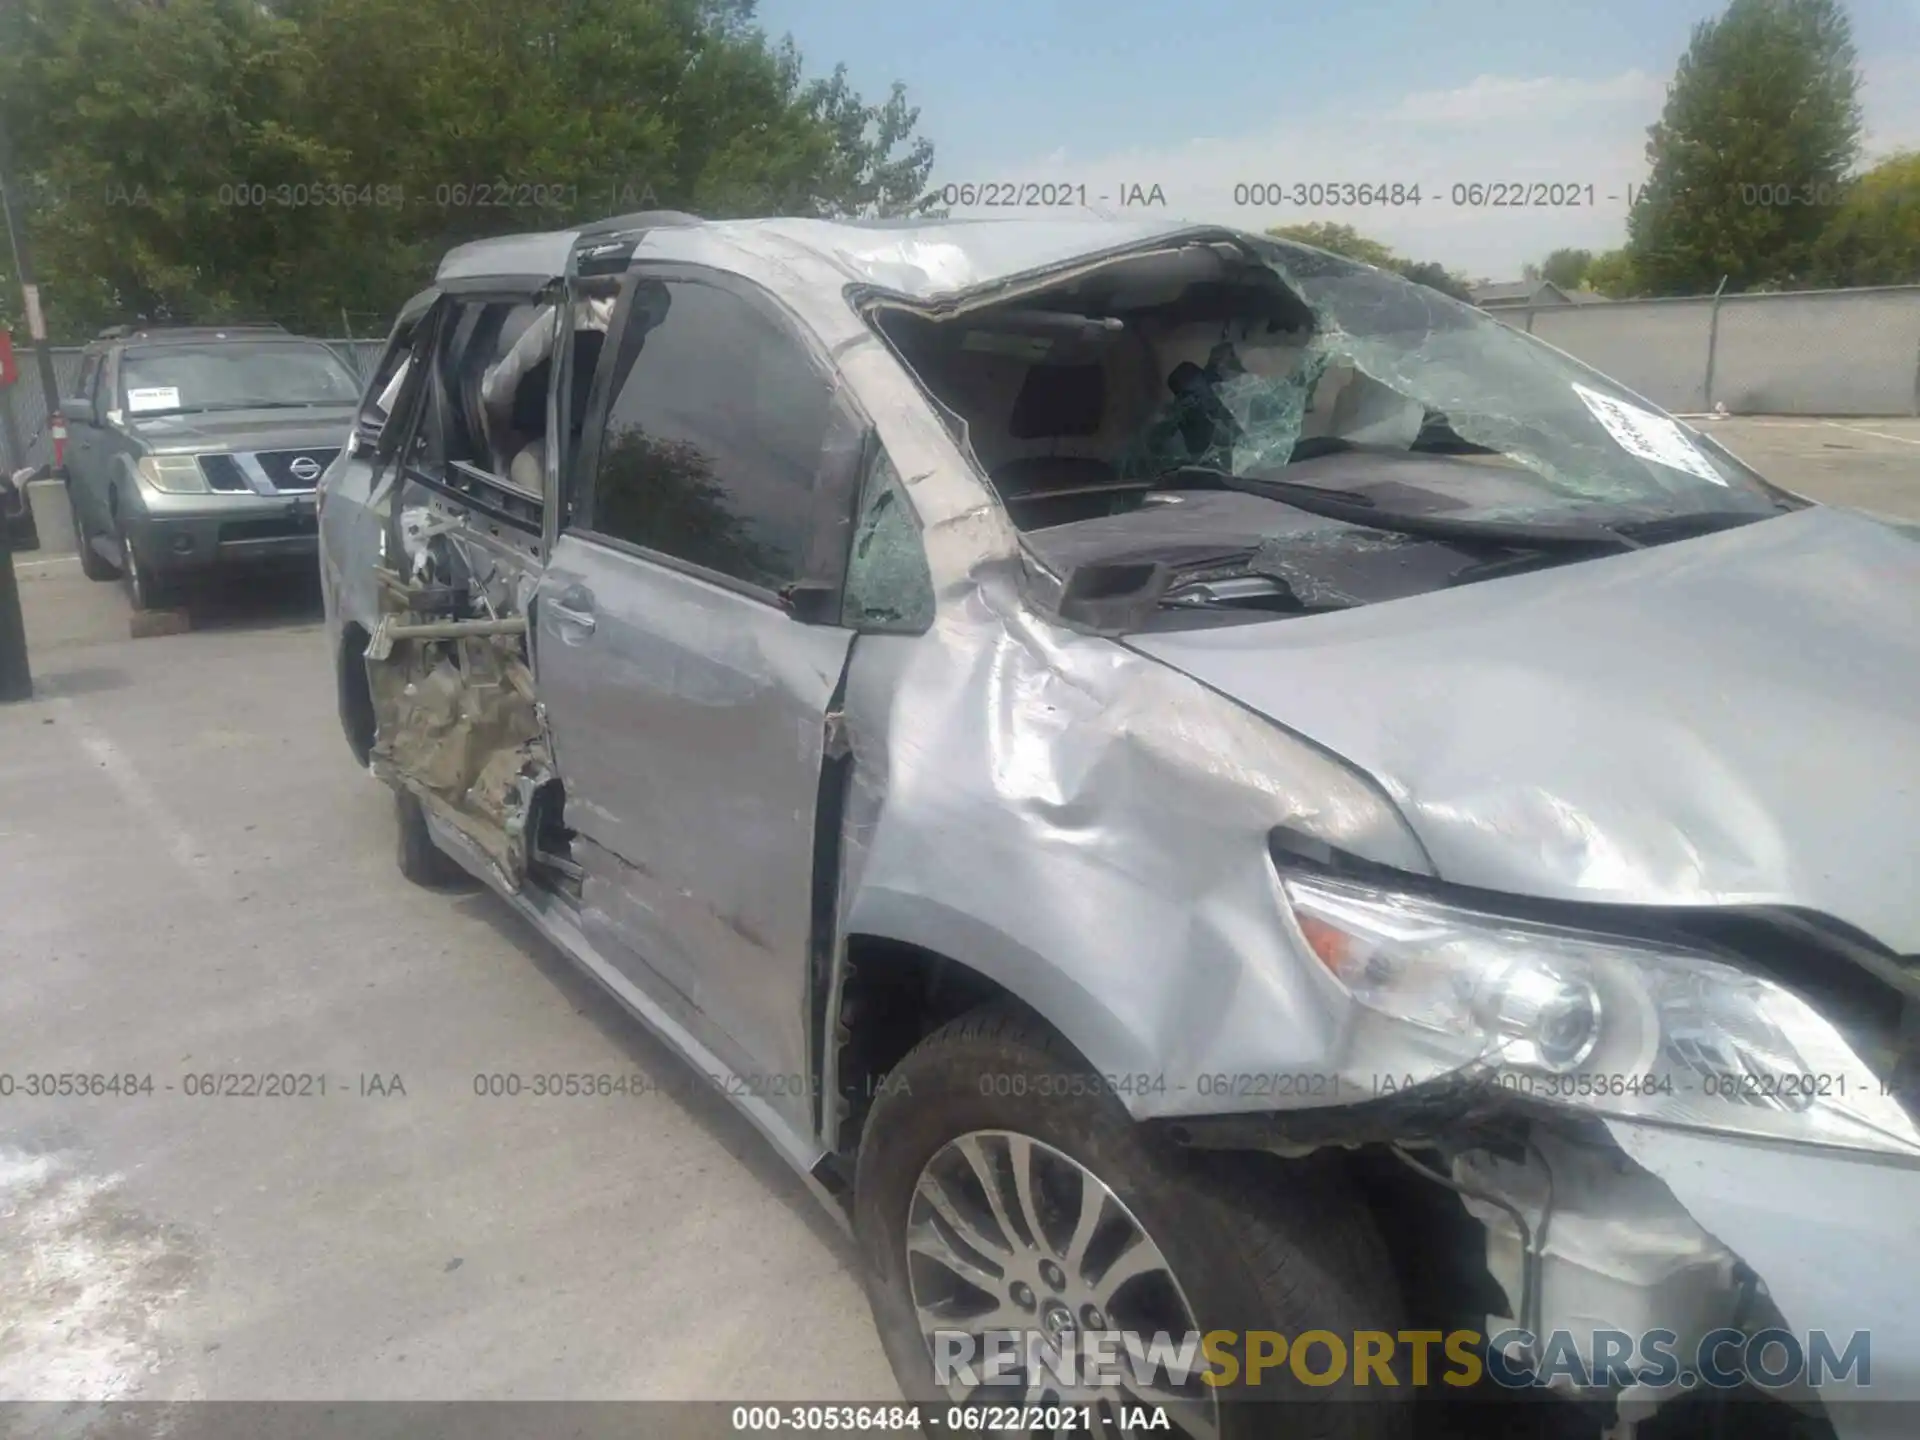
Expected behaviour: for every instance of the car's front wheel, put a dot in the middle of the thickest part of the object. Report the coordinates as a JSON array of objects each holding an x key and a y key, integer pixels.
[
  {"x": 93, "y": 564},
  {"x": 1002, "y": 1188},
  {"x": 146, "y": 589}
]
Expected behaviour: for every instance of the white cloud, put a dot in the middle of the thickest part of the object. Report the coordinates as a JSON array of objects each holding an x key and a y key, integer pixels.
[
  {"x": 1584, "y": 135},
  {"x": 1491, "y": 98}
]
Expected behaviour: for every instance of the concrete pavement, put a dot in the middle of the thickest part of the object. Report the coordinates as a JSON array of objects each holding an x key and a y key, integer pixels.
[
  {"x": 1871, "y": 464},
  {"x": 195, "y": 879}
]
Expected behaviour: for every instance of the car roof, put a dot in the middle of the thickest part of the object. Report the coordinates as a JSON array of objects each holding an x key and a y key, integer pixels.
[{"x": 922, "y": 258}]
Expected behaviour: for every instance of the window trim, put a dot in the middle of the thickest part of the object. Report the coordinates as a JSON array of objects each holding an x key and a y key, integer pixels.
[
  {"x": 450, "y": 303},
  {"x": 416, "y": 318},
  {"x": 88, "y": 380},
  {"x": 106, "y": 389},
  {"x": 843, "y": 412}
]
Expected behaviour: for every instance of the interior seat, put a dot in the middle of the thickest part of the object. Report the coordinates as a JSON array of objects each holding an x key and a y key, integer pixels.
[{"x": 1056, "y": 406}]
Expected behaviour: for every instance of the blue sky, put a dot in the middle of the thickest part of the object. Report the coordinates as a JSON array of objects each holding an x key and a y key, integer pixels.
[{"x": 1200, "y": 96}]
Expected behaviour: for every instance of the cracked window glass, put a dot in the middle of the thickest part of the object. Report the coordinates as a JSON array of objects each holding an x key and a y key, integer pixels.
[
  {"x": 1482, "y": 386},
  {"x": 1226, "y": 416},
  {"x": 888, "y": 586}
]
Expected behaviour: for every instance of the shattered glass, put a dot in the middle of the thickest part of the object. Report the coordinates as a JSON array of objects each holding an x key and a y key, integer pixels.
[
  {"x": 1227, "y": 417},
  {"x": 1502, "y": 390},
  {"x": 888, "y": 584}
]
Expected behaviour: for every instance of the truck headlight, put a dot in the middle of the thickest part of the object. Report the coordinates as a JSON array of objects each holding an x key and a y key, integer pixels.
[
  {"x": 1619, "y": 1026},
  {"x": 176, "y": 474}
]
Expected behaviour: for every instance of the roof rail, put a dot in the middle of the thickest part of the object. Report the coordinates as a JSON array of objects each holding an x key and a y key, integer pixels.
[{"x": 176, "y": 327}]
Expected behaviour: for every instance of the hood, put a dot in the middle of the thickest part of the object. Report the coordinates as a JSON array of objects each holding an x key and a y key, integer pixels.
[
  {"x": 244, "y": 429},
  {"x": 1728, "y": 720}
]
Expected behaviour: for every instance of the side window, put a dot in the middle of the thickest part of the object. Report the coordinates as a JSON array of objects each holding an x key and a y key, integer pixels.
[
  {"x": 889, "y": 587},
  {"x": 484, "y": 408},
  {"x": 106, "y": 386},
  {"x": 714, "y": 435},
  {"x": 89, "y": 377},
  {"x": 389, "y": 378}
]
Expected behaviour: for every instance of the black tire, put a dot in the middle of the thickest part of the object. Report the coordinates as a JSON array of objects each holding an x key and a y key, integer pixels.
[
  {"x": 422, "y": 861},
  {"x": 147, "y": 589},
  {"x": 1253, "y": 1243},
  {"x": 92, "y": 564}
]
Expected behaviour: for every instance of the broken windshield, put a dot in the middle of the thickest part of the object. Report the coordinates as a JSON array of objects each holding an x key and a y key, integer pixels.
[
  {"x": 1584, "y": 438},
  {"x": 1395, "y": 368}
]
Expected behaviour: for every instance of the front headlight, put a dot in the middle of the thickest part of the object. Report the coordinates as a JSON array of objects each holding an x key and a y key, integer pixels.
[
  {"x": 176, "y": 474},
  {"x": 1612, "y": 1025}
]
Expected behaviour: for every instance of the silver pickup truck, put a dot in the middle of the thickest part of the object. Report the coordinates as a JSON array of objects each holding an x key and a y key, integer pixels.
[{"x": 197, "y": 448}]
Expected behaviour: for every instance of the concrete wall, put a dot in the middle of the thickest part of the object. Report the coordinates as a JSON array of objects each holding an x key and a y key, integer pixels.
[
  {"x": 1810, "y": 352},
  {"x": 1837, "y": 352},
  {"x": 1655, "y": 347}
]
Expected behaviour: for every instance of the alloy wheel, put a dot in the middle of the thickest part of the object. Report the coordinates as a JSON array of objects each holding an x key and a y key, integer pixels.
[{"x": 1007, "y": 1233}]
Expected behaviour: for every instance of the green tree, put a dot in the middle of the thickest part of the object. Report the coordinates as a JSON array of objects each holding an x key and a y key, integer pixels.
[
  {"x": 220, "y": 159},
  {"x": 1611, "y": 273},
  {"x": 1761, "y": 125},
  {"x": 1340, "y": 239},
  {"x": 1345, "y": 240},
  {"x": 1873, "y": 237},
  {"x": 1566, "y": 267},
  {"x": 1435, "y": 277}
]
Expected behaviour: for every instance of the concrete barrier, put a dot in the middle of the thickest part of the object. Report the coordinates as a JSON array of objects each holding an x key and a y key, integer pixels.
[
  {"x": 1808, "y": 352},
  {"x": 51, "y": 516}
]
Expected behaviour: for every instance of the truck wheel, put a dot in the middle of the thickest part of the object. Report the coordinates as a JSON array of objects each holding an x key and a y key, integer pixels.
[
  {"x": 422, "y": 861},
  {"x": 1002, "y": 1187},
  {"x": 146, "y": 590},
  {"x": 92, "y": 564}
]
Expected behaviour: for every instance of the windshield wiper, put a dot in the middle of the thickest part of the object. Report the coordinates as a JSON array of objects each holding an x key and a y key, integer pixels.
[
  {"x": 1246, "y": 592},
  {"x": 1360, "y": 510}
]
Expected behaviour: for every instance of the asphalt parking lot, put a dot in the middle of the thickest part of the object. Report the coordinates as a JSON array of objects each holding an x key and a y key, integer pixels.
[
  {"x": 1871, "y": 464},
  {"x": 196, "y": 880}
]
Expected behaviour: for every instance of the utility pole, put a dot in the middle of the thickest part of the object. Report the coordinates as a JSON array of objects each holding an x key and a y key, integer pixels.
[
  {"x": 23, "y": 267},
  {"x": 16, "y": 675}
]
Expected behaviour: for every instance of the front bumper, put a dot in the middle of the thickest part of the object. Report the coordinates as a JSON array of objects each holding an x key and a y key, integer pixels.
[
  {"x": 199, "y": 532},
  {"x": 1835, "y": 1240}
]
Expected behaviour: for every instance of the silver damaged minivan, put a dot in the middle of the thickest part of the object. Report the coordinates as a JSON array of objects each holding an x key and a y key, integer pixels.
[{"x": 1199, "y": 791}]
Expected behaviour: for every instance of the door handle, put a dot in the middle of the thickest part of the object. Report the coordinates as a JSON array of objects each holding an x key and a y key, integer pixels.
[{"x": 573, "y": 607}]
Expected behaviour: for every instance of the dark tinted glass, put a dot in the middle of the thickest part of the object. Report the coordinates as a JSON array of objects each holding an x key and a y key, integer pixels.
[{"x": 714, "y": 436}]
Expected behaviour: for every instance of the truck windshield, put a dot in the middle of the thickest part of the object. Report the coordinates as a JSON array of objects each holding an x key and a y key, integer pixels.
[{"x": 234, "y": 376}]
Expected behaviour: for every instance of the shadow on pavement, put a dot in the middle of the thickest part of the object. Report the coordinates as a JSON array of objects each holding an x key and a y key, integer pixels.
[
  {"x": 83, "y": 680},
  {"x": 253, "y": 602}
]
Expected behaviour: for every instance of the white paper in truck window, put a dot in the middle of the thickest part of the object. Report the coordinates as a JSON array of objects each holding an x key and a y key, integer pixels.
[
  {"x": 153, "y": 397},
  {"x": 1650, "y": 436}
]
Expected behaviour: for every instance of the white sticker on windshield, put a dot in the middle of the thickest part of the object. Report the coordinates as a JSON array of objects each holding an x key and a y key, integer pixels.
[
  {"x": 1650, "y": 436},
  {"x": 153, "y": 397}
]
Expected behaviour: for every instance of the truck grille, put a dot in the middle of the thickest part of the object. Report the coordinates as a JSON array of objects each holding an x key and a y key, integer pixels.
[
  {"x": 223, "y": 473},
  {"x": 284, "y": 467}
]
